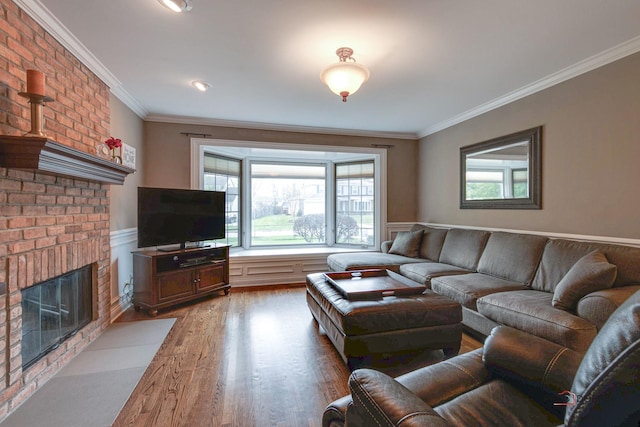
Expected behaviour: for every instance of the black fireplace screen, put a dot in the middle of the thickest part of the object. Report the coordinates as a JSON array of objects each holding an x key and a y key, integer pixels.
[{"x": 53, "y": 311}]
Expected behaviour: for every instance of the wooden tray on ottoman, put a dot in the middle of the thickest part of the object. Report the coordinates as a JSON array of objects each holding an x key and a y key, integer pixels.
[{"x": 373, "y": 284}]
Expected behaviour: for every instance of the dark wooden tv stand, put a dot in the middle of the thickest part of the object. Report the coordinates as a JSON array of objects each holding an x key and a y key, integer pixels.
[{"x": 163, "y": 279}]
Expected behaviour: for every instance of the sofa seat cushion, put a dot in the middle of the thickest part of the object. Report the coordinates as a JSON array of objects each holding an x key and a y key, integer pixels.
[
  {"x": 531, "y": 311},
  {"x": 385, "y": 314},
  {"x": 423, "y": 272},
  {"x": 496, "y": 402},
  {"x": 467, "y": 288},
  {"x": 367, "y": 260}
]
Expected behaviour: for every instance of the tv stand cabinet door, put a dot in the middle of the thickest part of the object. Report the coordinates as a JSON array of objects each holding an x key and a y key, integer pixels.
[
  {"x": 175, "y": 285},
  {"x": 211, "y": 278}
]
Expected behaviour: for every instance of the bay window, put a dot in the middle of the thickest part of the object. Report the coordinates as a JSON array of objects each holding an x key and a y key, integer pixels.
[{"x": 292, "y": 195}]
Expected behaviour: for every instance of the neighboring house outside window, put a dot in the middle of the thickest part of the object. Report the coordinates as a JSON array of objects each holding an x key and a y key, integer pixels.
[
  {"x": 288, "y": 204},
  {"x": 354, "y": 203}
]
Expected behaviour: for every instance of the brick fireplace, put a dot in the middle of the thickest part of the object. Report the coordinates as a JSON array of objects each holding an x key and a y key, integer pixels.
[
  {"x": 54, "y": 225},
  {"x": 50, "y": 224}
]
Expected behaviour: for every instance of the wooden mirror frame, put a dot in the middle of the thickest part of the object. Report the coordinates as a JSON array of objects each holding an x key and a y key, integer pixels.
[{"x": 534, "y": 201}]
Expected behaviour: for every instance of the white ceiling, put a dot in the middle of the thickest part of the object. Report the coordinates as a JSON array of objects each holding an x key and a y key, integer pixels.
[{"x": 433, "y": 63}]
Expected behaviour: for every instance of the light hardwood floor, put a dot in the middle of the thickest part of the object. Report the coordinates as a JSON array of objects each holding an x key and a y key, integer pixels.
[{"x": 253, "y": 358}]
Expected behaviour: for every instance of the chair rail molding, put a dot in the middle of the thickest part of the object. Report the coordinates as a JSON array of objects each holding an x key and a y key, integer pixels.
[{"x": 583, "y": 237}]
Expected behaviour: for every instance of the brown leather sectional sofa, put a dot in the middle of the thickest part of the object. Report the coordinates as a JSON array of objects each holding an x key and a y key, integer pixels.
[
  {"x": 516, "y": 380},
  {"x": 557, "y": 289}
]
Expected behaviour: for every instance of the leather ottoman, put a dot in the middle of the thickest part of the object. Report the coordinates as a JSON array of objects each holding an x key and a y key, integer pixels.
[{"x": 385, "y": 326}]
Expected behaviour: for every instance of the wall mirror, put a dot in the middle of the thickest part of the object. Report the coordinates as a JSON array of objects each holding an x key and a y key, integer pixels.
[{"x": 502, "y": 173}]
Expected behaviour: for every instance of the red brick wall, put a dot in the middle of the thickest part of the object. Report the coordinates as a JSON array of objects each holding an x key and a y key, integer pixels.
[
  {"x": 79, "y": 116},
  {"x": 48, "y": 225}
]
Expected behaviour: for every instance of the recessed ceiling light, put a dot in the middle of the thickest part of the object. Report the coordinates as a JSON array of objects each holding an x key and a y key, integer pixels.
[
  {"x": 201, "y": 86},
  {"x": 177, "y": 5}
]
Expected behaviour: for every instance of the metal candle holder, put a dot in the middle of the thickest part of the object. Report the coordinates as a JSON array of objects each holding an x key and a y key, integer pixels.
[{"x": 37, "y": 120}]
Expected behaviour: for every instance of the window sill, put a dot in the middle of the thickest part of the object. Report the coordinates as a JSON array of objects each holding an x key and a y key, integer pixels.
[{"x": 288, "y": 252}]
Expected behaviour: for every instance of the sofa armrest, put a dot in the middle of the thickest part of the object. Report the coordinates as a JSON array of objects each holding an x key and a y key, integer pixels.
[
  {"x": 382, "y": 401},
  {"x": 334, "y": 413},
  {"x": 441, "y": 382},
  {"x": 598, "y": 306},
  {"x": 530, "y": 359},
  {"x": 385, "y": 246}
]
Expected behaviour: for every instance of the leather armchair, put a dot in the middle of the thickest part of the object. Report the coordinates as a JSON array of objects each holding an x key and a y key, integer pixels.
[{"x": 517, "y": 379}]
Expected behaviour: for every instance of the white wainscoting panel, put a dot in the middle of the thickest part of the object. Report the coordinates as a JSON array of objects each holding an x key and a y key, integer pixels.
[
  {"x": 257, "y": 270},
  {"x": 263, "y": 268},
  {"x": 122, "y": 243},
  {"x": 246, "y": 268}
]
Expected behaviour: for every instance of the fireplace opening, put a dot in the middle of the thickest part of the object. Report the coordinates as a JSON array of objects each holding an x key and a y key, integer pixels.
[{"x": 53, "y": 311}]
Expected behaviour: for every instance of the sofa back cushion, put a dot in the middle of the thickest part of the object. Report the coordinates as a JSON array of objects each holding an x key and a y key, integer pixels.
[
  {"x": 463, "y": 247},
  {"x": 432, "y": 241},
  {"x": 512, "y": 256},
  {"x": 560, "y": 255}
]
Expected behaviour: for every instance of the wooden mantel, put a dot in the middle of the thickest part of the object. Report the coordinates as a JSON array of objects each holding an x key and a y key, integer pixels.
[{"x": 47, "y": 156}]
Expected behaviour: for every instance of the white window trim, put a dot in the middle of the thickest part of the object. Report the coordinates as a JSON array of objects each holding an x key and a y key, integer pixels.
[{"x": 329, "y": 152}]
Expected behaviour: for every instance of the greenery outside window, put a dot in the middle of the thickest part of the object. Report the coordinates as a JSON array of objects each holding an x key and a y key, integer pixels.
[
  {"x": 288, "y": 204},
  {"x": 485, "y": 184},
  {"x": 520, "y": 182}
]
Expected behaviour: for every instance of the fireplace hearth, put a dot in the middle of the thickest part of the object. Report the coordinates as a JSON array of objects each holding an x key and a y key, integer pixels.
[{"x": 54, "y": 311}]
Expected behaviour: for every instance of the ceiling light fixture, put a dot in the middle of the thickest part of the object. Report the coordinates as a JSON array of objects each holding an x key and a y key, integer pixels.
[
  {"x": 344, "y": 78},
  {"x": 177, "y": 5},
  {"x": 201, "y": 86}
]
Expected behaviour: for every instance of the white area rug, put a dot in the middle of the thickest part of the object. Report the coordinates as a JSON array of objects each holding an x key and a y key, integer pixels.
[{"x": 92, "y": 389}]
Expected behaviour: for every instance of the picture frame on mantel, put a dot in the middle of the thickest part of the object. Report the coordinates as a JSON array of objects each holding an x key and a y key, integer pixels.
[{"x": 128, "y": 155}]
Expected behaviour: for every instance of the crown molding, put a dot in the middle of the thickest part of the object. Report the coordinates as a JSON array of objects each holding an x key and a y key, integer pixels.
[
  {"x": 603, "y": 58},
  {"x": 128, "y": 100},
  {"x": 276, "y": 127},
  {"x": 36, "y": 10}
]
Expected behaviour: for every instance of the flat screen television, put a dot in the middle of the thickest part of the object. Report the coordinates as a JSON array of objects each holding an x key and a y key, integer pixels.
[{"x": 168, "y": 216}]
